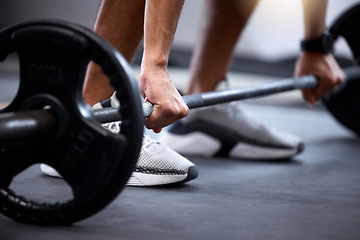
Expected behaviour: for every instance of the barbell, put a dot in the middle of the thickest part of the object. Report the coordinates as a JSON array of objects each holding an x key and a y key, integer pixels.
[{"x": 48, "y": 116}]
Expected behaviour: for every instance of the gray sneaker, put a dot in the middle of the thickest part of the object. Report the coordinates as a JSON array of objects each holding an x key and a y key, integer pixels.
[{"x": 227, "y": 130}]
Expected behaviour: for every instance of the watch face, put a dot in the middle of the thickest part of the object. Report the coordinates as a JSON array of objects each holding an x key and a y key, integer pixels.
[{"x": 327, "y": 42}]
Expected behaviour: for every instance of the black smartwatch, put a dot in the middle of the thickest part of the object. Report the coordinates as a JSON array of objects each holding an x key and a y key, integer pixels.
[{"x": 323, "y": 44}]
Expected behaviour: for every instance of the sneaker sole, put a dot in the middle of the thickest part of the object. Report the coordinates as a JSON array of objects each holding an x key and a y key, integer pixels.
[
  {"x": 139, "y": 179},
  {"x": 201, "y": 144}
]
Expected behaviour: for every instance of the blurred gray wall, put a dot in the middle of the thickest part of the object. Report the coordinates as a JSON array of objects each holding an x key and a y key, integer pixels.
[
  {"x": 79, "y": 11},
  {"x": 273, "y": 32}
]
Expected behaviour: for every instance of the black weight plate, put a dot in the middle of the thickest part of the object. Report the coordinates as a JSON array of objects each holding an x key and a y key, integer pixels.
[
  {"x": 53, "y": 57},
  {"x": 347, "y": 25},
  {"x": 344, "y": 102},
  {"x": 344, "y": 105}
]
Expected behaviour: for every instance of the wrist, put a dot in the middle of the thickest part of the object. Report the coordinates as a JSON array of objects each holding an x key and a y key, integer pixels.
[
  {"x": 321, "y": 44},
  {"x": 154, "y": 60}
]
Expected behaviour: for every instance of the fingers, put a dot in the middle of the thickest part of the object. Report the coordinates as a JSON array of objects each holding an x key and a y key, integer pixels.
[
  {"x": 325, "y": 68},
  {"x": 166, "y": 114},
  {"x": 326, "y": 84},
  {"x": 168, "y": 105},
  {"x": 309, "y": 97}
]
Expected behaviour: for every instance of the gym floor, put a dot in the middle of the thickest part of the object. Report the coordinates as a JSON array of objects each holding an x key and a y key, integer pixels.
[{"x": 316, "y": 195}]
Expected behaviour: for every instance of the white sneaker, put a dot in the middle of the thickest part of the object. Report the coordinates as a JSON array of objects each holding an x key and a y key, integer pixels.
[
  {"x": 160, "y": 165},
  {"x": 226, "y": 130},
  {"x": 157, "y": 164}
]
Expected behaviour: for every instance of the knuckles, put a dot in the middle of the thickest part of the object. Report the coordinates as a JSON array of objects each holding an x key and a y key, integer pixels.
[{"x": 165, "y": 115}]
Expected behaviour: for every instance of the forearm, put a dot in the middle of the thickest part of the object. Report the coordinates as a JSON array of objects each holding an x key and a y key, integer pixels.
[
  {"x": 317, "y": 61},
  {"x": 314, "y": 17},
  {"x": 161, "y": 18}
]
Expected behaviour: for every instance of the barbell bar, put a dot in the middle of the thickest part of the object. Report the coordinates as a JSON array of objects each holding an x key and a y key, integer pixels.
[{"x": 111, "y": 114}]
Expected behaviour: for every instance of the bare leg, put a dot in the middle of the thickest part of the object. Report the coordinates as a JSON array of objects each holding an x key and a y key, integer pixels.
[
  {"x": 222, "y": 24},
  {"x": 121, "y": 23}
]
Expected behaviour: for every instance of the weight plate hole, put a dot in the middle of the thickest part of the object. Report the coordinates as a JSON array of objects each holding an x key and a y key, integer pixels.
[
  {"x": 34, "y": 185},
  {"x": 9, "y": 79}
]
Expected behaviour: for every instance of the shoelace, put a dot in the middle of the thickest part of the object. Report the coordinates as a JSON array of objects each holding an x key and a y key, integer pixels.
[
  {"x": 114, "y": 127},
  {"x": 148, "y": 142}
]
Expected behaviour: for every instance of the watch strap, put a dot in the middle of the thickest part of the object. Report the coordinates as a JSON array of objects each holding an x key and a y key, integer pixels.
[{"x": 322, "y": 44}]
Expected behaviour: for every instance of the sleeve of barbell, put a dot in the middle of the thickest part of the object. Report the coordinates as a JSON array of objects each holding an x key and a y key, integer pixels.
[{"x": 26, "y": 127}]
